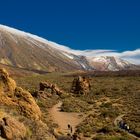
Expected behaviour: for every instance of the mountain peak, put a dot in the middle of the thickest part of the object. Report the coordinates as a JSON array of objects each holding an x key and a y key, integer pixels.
[{"x": 110, "y": 63}]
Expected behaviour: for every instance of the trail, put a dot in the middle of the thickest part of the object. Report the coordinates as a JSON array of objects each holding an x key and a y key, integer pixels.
[
  {"x": 64, "y": 118},
  {"x": 118, "y": 119}
]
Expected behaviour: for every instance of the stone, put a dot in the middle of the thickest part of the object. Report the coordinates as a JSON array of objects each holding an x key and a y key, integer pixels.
[
  {"x": 9, "y": 84},
  {"x": 53, "y": 87},
  {"x": 11, "y": 95},
  {"x": 11, "y": 129},
  {"x": 81, "y": 85}
]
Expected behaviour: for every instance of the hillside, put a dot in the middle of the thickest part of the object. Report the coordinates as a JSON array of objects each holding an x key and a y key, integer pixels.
[
  {"x": 26, "y": 51},
  {"x": 23, "y": 50}
]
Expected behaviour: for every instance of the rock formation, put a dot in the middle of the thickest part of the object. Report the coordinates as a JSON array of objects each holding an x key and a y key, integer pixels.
[
  {"x": 8, "y": 85},
  {"x": 10, "y": 94},
  {"x": 81, "y": 85},
  {"x": 20, "y": 116},
  {"x": 53, "y": 87},
  {"x": 27, "y": 104},
  {"x": 11, "y": 129}
]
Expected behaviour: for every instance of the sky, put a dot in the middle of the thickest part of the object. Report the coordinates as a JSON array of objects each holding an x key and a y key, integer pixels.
[{"x": 79, "y": 24}]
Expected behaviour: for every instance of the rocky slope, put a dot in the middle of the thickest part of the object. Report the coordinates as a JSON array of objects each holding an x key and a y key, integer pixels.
[{"x": 30, "y": 52}]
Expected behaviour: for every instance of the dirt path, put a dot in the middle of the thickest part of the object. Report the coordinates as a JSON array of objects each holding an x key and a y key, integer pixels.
[
  {"x": 64, "y": 118},
  {"x": 118, "y": 119}
]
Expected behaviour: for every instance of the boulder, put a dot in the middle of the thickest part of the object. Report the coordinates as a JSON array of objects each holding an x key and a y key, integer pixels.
[
  {"x": 48, "y": 86},
  {"x": 81, "y": 85},
  {"x": 27, "y": 104},
  {"x": 8, "y": 86},
  {"x": 11, "y": 129}
]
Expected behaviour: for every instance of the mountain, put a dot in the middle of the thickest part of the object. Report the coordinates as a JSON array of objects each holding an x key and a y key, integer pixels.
[
  {"x": 26, "y": 51},
  {"x": 110, "y": 63}
]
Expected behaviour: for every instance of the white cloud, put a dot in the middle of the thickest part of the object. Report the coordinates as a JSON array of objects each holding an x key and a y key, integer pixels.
[{"x": 131, "y": 56}]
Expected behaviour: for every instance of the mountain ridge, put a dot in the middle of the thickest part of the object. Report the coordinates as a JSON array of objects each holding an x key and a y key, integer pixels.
[{"x": 25, "y": 50}]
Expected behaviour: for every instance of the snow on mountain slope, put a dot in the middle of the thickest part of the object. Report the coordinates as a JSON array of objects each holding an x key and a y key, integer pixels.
[
  {"x": 14, "y": 33},
  {"x": 25, "y": 50},
  {"x": 69, "y": 55},
  {"x": 110, "y": 63}
]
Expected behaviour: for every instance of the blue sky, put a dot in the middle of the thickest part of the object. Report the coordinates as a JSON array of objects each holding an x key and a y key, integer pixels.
[{"x": 79, "y": 24}]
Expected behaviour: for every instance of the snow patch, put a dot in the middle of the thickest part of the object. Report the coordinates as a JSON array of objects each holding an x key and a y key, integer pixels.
[
  {"x": 112, "y": 68},
  {"x": 83, "y": 66},
  {"x": 102, "y": 59},
  {"x": 69, "y": 56},
  {"x": 121, "y": 62}
]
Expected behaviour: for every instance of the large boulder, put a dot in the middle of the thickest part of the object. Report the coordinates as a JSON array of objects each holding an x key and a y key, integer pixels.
[
  {"x": 27, "y": 104},
  {"x": 81, "y": 85},
  {"x": 11, "y": 129},
  {"x": 8, "y": 85},
  {"x": 49, "y": 86}
]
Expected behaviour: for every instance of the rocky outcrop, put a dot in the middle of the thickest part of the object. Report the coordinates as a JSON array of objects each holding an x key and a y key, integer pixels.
[
  {"x": 53, "y": 87},
  {"x": 16, "y": 96},
  {"x": 81, "y": 85},
  {"x": 11, "y": 129},
  {"x": 27, "y": 104},
  {"x": 8, "y": 85}
]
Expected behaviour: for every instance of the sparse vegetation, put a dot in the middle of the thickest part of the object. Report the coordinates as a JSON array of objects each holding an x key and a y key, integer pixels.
[
  {"x": 109, "y": 97},
  {"x": 72, "y": 104}
]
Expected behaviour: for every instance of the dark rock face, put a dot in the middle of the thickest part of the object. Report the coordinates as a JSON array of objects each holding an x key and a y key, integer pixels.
[{"x": 81, "y": 85}]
